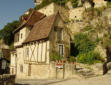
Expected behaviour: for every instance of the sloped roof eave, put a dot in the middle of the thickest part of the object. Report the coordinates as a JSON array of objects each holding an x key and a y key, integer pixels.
[
  {"x": 40, "y": 16},
  {"x": 42, "y": 29}
]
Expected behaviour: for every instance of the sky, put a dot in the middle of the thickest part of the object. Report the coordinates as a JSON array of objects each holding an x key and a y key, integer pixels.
[{"x": 11, "y": 10}]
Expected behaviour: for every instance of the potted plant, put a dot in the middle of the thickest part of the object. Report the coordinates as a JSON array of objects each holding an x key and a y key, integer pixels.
[{"x": 72, "y": 59}]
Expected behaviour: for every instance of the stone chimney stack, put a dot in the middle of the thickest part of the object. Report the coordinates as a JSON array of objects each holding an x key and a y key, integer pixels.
[{"x": 37, "y": 2}]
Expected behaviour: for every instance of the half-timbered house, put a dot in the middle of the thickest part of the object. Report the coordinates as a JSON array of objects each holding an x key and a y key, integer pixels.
[{"x": 33, "y": 53}]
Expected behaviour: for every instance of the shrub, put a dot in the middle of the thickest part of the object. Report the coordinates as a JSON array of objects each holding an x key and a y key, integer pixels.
[
  {"x": 72, "y": 59},
  {"x": 55, "y": 56},
  {"x": 89, "y": 58},
  {"x": 74, "y": 3},
  {"x": 87, "y": 28},
  {"x": 46, "y": 2},
  {"x": 109, "y": 4},
  {"x": 83, "y": 43},
  {"x": 1, "y": 55}
]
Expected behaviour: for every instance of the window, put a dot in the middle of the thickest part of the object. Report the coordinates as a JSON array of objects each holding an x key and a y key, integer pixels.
[
  {"x": 59, "y": 34},
  {"x": 27, "y": 52},
  {"x": 4, "y": 64},
  {"x": 21, "y": 68},
  {"x": 17, "y": 37},
  {"x": 61, "y": 50},
  {"x": 21, "y": 35}
]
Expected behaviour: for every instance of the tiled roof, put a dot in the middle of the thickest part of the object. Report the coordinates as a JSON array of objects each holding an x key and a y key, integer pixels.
[
  {"x": 34, "y": 17},
  {"x": 41, "y": 29}
]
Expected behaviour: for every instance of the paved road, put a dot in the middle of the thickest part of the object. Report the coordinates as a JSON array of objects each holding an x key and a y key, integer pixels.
[
  {"x": 100, "y": 80},
  {"x": 36, "y": 82}
]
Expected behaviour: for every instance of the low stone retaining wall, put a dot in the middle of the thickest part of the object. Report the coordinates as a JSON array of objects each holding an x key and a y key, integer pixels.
[
  {"x": 66, "y": 72},
  {"x": 7, "y": 79}
]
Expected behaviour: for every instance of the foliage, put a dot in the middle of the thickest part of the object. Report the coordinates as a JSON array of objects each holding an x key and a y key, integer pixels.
[
  {"x": 83, "y": 43},
  {"x": 55, "y": 56},
  {"x": 98, "y": 11},
  {"x": 87, "y": 28},
  {"x": 109, "y": 3},
  {"x": 74, "y": 3},
  {"x": 98, "y": 39},
  {"x": 72, "y": 59},
  {"x": 86, "y": 48},
  {"x": 46, "y": 2},
  {"x": 106, "y": 42},
  {"x": 89, "y": 58},
  {"x": 6, "y": 33},
  {"x": 1, "y": 55},
  {"x": 12, "y": 47}
]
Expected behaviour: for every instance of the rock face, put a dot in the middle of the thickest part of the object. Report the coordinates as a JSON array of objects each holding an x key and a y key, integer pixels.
[{"x": 100, "y": 3}]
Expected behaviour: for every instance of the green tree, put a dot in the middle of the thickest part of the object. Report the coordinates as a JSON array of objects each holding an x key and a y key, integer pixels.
[{"x": 7, "y": 32}]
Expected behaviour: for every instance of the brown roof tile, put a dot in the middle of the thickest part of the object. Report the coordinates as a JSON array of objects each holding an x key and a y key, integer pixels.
[
  {"x": 34, "y": 17},
  {"x": 41, "y": 29}
]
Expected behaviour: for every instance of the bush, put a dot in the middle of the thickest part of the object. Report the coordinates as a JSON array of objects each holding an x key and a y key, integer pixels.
[
  {"x": 72, "y": 59},
  {"x": 89, "y": 58},
  {"x": 83, "y": 43},
  {"x": 1, "y": 55},
  {"x": 109, "y": 4},
  {"x": 87, "y": 28},
  {"x": 47, "y": 2},
  {"x": 55, "y": 56},
  {"x": 74, "y": 3}
]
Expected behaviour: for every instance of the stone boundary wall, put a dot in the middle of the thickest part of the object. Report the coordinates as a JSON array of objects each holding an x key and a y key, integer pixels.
[
  {"x": 7, "y": 79},
  {"x": 66, "y": 72}
]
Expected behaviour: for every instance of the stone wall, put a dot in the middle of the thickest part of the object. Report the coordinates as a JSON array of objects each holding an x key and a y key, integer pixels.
[
  {"x": 49, "y": 71},
  {"x": 53, "y": 8},
  {"x": 62, "y": 73},
  {"x": 7, "y": 79}
]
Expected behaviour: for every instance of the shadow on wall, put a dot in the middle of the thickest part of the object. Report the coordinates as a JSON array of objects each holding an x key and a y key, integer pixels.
[{"x": 20, "y": 84}]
